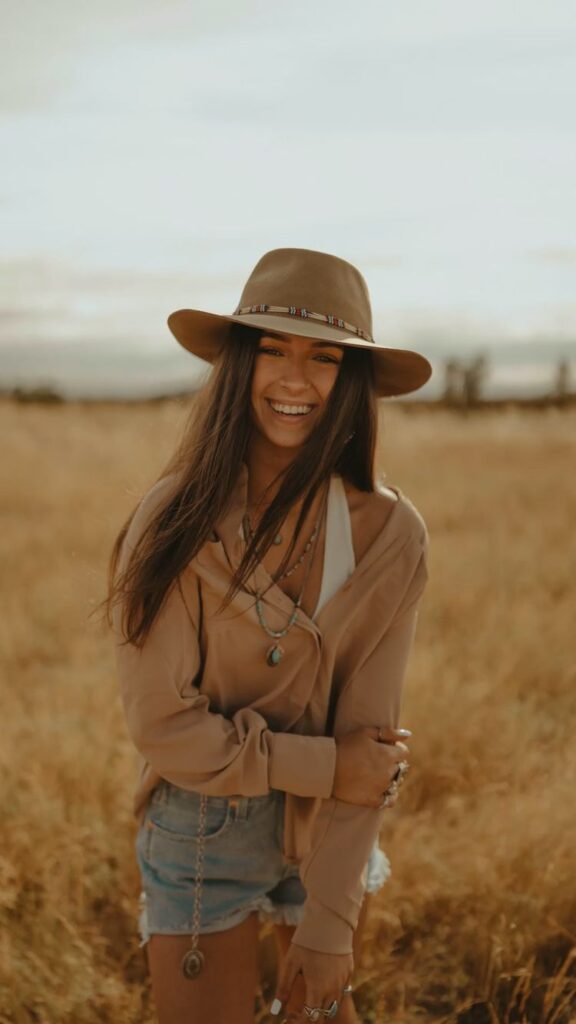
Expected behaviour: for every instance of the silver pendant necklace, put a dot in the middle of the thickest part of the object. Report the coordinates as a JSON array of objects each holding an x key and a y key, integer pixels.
[{"x": 275, "y": 652}]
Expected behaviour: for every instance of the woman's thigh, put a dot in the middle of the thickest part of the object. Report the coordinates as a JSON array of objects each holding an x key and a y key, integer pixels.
[{"x": 226, "y": 988}]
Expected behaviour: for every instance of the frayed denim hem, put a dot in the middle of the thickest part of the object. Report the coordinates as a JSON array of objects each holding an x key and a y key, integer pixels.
[
  {"x": 143, "y": 920},
  {"x": 267, "y": 910},
  {"x": 378, "y": 871},
  {"x": 280, "y": 913}
]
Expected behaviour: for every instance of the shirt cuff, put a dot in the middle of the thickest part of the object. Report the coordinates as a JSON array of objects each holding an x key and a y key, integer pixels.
[
  {"x": 303, "y": 765},
  {"x": 322, "y": 930}
]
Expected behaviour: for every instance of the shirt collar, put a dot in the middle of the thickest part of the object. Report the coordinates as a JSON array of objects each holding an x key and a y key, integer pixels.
[{"x": 228, "y": 531}]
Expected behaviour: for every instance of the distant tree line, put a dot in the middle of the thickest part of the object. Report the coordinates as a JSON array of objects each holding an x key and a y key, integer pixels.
[
  {"x": 464, "y": 382},
  {"x": 43, "y": 393}
]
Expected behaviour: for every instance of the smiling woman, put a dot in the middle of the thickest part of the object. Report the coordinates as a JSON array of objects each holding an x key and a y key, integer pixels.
[
  {"x": 292, "y": 380},
  {"x": 264, "y": 596}
]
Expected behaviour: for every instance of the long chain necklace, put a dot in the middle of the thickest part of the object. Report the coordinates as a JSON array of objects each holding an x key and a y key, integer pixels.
[
  {"x": 193, "y": 959},
  {"x": 275, "y": 652}
]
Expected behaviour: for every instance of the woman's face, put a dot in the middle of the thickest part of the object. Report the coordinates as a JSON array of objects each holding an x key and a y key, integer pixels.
[{"x": 291, "y": 383}]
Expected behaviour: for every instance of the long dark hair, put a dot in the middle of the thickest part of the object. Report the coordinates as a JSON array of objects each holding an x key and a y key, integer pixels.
[{"x": 205, "y": 467}]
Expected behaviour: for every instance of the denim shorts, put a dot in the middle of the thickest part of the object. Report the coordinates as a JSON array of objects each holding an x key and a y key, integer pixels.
[{"x": 244, "y": 867}]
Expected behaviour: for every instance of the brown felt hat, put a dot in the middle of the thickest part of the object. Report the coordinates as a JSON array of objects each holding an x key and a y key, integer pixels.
[{"x": 312, "y": 295}]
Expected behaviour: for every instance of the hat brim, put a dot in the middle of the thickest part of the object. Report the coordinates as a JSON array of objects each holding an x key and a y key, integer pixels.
[{"x": 398, "y": 371}]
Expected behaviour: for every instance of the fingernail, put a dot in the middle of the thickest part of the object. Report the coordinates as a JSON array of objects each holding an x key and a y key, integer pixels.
[
  {"x": 404, "y": 732},
  {"x": 276, "y": 1007}
]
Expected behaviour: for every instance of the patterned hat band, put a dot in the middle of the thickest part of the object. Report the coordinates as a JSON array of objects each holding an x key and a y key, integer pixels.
[{"x": 306, "y": 314}]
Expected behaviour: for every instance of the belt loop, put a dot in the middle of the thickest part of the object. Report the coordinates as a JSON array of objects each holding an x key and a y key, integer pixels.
[{"x": 238, "y": 806}]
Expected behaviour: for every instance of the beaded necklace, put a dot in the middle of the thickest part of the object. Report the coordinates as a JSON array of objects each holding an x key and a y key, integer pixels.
[
  {"x": 248, "y": 534},
  {"x": 275, "y": 652}
]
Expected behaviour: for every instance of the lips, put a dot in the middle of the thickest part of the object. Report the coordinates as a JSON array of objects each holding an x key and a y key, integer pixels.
[{"x": 288, "y": 417}]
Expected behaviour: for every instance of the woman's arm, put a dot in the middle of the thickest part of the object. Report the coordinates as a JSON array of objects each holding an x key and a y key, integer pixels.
[
  {"x": 333, "y": 870},
  {"x": 170, "y": 722}
]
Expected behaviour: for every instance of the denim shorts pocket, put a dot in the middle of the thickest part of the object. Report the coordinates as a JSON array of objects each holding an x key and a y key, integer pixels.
[{"x": 175, "y": 814}]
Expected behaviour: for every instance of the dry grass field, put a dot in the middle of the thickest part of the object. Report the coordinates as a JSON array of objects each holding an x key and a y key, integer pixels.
[{"x": 477, "y": 924}]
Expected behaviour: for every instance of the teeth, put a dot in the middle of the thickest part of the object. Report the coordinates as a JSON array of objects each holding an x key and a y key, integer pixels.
[{"x": 291, "y": 409}]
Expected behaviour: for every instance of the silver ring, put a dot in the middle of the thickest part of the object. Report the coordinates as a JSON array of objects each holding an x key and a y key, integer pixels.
[
  {"x": 401, "y": 770},
  {"x": 388, "y": 795},
  {"x": 315, "y": 1012},
  {"x": 391, "y": 792}
]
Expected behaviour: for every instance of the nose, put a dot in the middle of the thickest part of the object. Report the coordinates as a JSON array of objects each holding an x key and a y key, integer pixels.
[{"x": 294, "y": 377}]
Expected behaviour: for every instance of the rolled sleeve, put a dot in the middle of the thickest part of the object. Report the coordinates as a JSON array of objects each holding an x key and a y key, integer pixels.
[
  {"x": 304, "y": 765},
  {"x": 333, "y": 871}
]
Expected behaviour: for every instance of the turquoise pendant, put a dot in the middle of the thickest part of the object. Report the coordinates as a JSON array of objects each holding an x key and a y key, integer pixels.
[{"x": 274, "y": 655}]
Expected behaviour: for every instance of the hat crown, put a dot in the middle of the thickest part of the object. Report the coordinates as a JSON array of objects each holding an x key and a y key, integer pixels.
[{"x": 310, "y": 280}]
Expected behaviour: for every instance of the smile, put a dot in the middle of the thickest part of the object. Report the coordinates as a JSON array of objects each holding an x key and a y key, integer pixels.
[{"x": 289, "y": 411}]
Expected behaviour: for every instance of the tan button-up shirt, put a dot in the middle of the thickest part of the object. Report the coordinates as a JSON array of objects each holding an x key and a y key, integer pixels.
[{"x": 209, "y": 714}]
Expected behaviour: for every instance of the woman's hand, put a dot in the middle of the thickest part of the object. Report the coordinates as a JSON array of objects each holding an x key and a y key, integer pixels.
[
  {"x": 312, "y": 978},
  {"x": 366, "y": 764}
]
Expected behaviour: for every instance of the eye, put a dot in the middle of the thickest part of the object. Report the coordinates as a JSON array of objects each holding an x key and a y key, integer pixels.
[
  {"x": 330, "y": 359},
  {"x": 269, "y": 351}
]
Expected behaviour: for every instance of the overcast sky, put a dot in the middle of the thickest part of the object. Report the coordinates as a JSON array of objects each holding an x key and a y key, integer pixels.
[{"x": 152, "y": 151}]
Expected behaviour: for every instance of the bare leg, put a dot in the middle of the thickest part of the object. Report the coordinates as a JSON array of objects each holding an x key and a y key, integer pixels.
[
  {"x": 347, "y": 1012},
  {"x": 225, "y": 990}
]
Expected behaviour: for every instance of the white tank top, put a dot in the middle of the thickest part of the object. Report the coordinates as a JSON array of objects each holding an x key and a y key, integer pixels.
[{"x": 339, "y": 561}]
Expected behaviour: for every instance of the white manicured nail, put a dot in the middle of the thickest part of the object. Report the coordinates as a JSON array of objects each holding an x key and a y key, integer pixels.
[{"x": 276, "y": 1007}]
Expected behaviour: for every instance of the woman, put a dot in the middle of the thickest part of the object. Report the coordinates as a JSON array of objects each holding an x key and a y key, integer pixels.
[{"x": 264, "y": 596}]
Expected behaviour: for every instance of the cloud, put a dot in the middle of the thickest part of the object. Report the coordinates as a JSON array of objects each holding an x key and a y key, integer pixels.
[
  {"x": 45, "y": 43},
  {"x": 564, "y": 256},
  {"x": 374, "y": 64}
]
